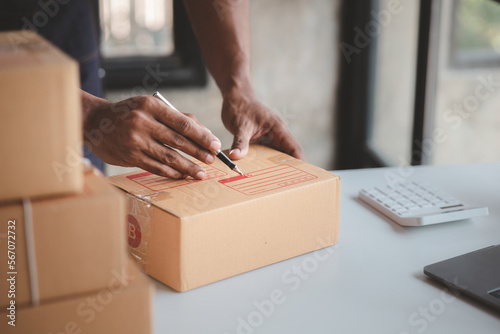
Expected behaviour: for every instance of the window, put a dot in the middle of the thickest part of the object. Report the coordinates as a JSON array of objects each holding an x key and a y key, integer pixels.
[
  {"x": 467, "y": 91},
  {"x": 423, "y": 86},
  {"x": 475, "y": 34},
  {"x": 136, "y": 28},
  {"x": 391, "y": 109},
  {"x": 144, "y": 39}
]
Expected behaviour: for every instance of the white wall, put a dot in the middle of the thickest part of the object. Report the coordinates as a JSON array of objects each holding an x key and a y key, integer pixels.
[
  {"x": 468, "y": 133},
  {"x": 294, "y": 57}
]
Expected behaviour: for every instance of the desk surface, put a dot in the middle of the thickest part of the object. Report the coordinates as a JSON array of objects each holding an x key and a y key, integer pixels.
[{"x": 370, "y": 282}]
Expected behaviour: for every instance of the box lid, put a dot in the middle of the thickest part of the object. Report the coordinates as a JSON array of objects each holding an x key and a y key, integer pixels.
[
  {"x": 266, "y": 173},
  {"x": 25, "y": 50}
]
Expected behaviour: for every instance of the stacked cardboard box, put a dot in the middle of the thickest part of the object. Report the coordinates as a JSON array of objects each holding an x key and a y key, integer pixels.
[
  {"x": 41, "y": 119},
  {"x": 122, "y": 306},
  {"x": 189, "y": 233},
  {"x": 63, "y": 247}
]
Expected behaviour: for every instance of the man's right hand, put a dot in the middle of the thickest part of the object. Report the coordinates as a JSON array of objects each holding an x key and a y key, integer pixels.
[{"x": 143, "y": 132}]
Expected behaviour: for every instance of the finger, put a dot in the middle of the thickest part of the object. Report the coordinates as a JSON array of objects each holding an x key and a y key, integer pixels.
[
  {"x": 153, "y": 166},
  {"x": 194, "y": 118},
  {"x": 292, "y": 147},
  {"x": 186, "y": 126},
  {"x": 174, "y": 160},
  {"x": 282, "y": 139},
  {"x": 239, "y": 148},
  {"x": 171, "y": 138}
]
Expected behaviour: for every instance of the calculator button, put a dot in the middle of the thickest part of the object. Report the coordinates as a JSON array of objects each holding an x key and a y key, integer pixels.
[{"x": 416, "y": 203}]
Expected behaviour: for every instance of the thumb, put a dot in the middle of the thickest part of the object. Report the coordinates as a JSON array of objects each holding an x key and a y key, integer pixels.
[{"x": 239, "y": 148}]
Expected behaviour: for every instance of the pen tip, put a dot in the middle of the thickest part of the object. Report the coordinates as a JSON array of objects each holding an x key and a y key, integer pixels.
[{"x": 239, "y": 171}]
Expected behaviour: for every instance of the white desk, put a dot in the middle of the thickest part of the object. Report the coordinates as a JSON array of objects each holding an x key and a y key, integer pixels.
[{"x": 371, "y": 282}]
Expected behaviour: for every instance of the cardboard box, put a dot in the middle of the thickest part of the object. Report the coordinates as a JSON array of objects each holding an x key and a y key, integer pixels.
[
  {"x": 40, "y": 122},
  {"x": 79, "y": 241},
  {"x": 189, "y": 233},
  {"x": 123, "y": 306}
]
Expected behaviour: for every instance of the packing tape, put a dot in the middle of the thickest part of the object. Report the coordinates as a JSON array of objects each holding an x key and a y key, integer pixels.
[
  {"x": 140, "y": 214},
  {"x": 30, "y": 250}
]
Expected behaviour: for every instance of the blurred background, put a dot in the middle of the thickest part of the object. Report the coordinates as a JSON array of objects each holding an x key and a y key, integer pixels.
[{"x": 361, "y": 83}]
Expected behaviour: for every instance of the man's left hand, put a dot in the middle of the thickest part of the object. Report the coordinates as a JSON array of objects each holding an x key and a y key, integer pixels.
[{"x": 251, "y": 122}]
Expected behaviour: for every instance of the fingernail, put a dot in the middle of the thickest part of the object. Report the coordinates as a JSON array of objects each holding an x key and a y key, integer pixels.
[
  {"x": 235, "y": 151},
  {"x": 200, "y": 175},
  {"x": 215, "y": 145},
  {"x": 210, "y": 158}
]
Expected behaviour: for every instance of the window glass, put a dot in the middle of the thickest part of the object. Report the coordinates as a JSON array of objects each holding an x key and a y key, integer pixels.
[
  {"x": 467, "y": 110},
  {"x": 475, "y": 33},
  {"x": 136, "y": 28},
  {"x": 390, "y": 121}
]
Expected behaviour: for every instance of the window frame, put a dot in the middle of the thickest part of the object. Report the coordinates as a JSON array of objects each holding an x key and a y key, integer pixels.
[
  {"x": 355, "y": 94},
  {"x": 471, "y": 59},
  {"x": 185, "y": 67}
]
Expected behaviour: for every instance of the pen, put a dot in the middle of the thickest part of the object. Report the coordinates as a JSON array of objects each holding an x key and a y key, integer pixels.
[{"x": 219, "y": 154}]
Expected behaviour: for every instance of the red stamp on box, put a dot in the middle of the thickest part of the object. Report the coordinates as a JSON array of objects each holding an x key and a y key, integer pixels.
[
  {"x": 134, "y": 232},
  {"x": 159, "y": 183},
  {"x": 267, "y": 179}
]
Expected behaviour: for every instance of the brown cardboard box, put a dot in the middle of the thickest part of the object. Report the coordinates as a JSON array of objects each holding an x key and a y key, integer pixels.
[
  {"x": 190, "y": 233},
  {"x": 40, "y": 122},
  {"x": 122, "y": 306},
  {"x": 79, "y": 241}
]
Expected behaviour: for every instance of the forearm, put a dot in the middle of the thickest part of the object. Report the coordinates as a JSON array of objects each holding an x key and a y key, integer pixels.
[
  {"x": 89, "y": 104},
  {"x": 222, "y": 30}
]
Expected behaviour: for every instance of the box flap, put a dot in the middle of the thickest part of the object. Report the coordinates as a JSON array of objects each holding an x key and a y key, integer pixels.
[
  {"x": 266, "y": 172},
  {"x": 25, "y": 50}
]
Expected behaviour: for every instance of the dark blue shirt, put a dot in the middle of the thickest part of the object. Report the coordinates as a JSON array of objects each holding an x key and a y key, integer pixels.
[{"x": 70, "y": 25}]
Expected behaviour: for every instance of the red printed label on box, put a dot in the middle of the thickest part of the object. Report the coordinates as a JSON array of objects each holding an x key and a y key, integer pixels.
[
  {"x": 159, "y": 183},
  {"x": 267, "y": 179},
  {"x": 134, "y": 232}
]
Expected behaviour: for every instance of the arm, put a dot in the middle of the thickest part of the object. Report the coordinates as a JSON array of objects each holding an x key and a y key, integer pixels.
[
  {"x": 141, "y": 132},
  {"x": 222, "y": 29}
]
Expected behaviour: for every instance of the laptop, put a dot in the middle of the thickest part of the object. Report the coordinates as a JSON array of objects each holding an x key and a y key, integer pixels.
[{"x": 475, "y": 274}]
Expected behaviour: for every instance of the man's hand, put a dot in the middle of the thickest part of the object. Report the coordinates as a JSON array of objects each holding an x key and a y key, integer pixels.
[
  {"x": 223, "y": 32},
  {"x": 252, "y": 122},
  {"x": 143, "y": 132}
]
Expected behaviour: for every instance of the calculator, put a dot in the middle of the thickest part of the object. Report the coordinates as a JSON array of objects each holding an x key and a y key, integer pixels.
[{"x": 417, "y": 203}]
